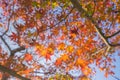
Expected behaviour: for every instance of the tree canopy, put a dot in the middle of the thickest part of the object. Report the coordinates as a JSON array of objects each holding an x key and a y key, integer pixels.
[{"x": 46, "y": 39}]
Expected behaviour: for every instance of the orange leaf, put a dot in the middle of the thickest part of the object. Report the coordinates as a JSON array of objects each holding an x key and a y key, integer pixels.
[
  {"x": 28, "y": 57},
  {"x": 84, "y": 78},
  {"x": 58, "y": 62},
  {"x": 81, "y": 62},
  {"x": 106, "y": 74},
  {"x": 61, "y": 46},
  {"x": 79, "y": 52},
  {"x": 64, "y": 57},
  {"x": 86, "y": 70}
]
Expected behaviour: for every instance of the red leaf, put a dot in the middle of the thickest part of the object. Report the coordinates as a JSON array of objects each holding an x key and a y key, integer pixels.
[
  {"x": 13, "y": 36},
  {"x": 48, "y": 57}
]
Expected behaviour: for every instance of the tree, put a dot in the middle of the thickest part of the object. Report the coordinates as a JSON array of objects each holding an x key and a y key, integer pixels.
[{"x": 56, "y": 36}]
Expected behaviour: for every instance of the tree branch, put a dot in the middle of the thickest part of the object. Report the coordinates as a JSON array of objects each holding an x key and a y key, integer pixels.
[
  {"x": 115, "y": 45},
  {"x": 17, "y": 50},
  {"x": 12, "y": 52},
  {"x": 43, "y": 72},
  {"x": 98, "y": 30},
  {"x": 11, "y": 72},
  {"x": 113, "y": 34},
  {"x": 116, "y": 77},
  {"x": 5, "y": 43}
]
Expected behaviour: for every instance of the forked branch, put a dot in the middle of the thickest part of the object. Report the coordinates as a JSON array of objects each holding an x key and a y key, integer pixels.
[{"x": 98, "y": 30}]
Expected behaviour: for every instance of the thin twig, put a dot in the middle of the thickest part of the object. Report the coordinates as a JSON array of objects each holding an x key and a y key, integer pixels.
[
  {"x": 5, "y": 43},
  {"x": 58, "y": 22},
  {"x": 42, "y": 72},
  {"x": 113, "y": 34},
  {"x": 116, "y": 77}
]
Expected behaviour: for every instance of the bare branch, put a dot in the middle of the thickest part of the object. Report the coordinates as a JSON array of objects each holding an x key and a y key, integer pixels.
[
  {"x": 115, "y": 45},
  {"x": 17, "y": 50},
  {"x": 7, "y": 26},
  {"x": 116, "y": 78},
  {"x": 11, "y": 72},
  {"x": 43, "y": 72},
  {"x": 113, "y": 34},
  {"x": 5, "y": 43},
  {"x": 48, "y": 72},
  {"x": 12, "y": 52},
  {"x": 116, "y": 11}
]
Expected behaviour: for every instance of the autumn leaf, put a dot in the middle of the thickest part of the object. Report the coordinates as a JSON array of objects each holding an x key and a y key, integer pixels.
[
  {"x": 74, "y": 32},
  {"x": 69, "y": 49},
  {"x": 64, "y": 57},
  {"x": 14, "y": 36},
  {"x": 61, "y": 46},
  {"x": 80, "y": 62},
  {"x": 48, "y": 57},
  {"x": 43, "y": 53},
  {"x": 106, "y": 74},
  {"x": 28, "y": 57},
  {"x": 84, "y": 78},
  {"x": 58, "y": 62},
  {"x": 38, "y": 48},
  {"x": 79, "y": 52},
  {"x": 86, "y": 70},
  {"x": 55, "y": 4}
]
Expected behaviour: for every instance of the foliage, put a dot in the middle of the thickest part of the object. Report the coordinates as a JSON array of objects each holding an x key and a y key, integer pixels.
[{"x": 56, "y": 36}]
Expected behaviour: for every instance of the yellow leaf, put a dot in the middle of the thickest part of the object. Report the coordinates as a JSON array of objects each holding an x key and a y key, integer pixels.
[
  {"x": 43, "y": 52},
  {"x": 54, "y": 5},
  {"x": 70, "y": 49}
]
